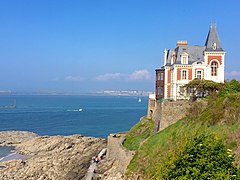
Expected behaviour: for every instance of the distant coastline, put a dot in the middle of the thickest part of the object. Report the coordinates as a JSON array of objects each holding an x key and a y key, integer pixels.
[{"x": 99, "y": 93}]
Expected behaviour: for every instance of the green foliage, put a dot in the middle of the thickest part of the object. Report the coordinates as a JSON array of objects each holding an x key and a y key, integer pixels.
[
  {"x": 150, "y": 154},
  {"x": 162, "y": 152},
  {"x": 216, "y": 109},
  {"x": 138, "y": 133},
  {"x": 202, "y": 87},
  {"x": 205, "y": 157},
  {"x": 230, "y": 87},
  {"x": 195, "y": 109}
]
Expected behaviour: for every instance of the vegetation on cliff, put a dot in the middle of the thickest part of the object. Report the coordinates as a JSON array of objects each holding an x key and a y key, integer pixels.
[
  {"x": 138, "y": 133},
  {"x": 203, "y": 145}
]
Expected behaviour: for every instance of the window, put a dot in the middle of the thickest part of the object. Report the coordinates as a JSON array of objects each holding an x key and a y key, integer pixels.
[
  {"x": 160, "y": 91},
  {"x": 184, "y": 60},
  {"x": 214, "y": 69},
  {"x": 190, "y": 90},
  {"x": 199, "y": 75},
  {"x": 160, "y": 76},
  {"x": 181, "y": 90},
  {"x": 214, "y": 46},
  {"x": 184, "y": 74}
]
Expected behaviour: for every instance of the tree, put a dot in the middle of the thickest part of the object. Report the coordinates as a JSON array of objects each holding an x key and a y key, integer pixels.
[{"x": 201, "y": 88}]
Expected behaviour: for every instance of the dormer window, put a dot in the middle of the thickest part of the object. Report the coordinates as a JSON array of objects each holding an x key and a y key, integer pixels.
[
  {"x": 184, "y": 58},
  {"x": 214, "y": 46}
]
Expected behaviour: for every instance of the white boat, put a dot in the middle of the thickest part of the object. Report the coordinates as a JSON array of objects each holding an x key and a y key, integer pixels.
[{"x": 139, "y": 100}]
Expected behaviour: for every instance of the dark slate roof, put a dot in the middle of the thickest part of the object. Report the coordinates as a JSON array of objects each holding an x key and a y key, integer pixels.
[
  {"x": 213, "y": 38},
  {"x": 169, "y": 56},
  {"x": 195, "y": 53}
]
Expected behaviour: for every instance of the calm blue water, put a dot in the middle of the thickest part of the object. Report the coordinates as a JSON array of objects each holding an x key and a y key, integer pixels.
[
  {"x": 59, "y": 115},
  {"x": 5, "y": 150}
]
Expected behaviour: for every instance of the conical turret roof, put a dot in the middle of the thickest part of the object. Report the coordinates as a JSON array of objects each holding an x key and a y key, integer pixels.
[{"x": 213, "y": 42}]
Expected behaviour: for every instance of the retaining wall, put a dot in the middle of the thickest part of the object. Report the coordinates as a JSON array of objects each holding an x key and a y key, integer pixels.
[{"x": 167, "y": 112}]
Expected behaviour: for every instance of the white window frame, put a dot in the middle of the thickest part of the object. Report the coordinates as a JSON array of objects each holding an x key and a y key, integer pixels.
[
  {"x": 214, "y": 73},
  {"x": 199, "y": 74},
  {"x": 184, "y": 58},
  {"x": 186, "y": 74}
]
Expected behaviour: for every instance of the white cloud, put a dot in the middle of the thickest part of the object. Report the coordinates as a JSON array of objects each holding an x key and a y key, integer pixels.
[
  {"x": 140, "y": 75},
  {"x": 74, "y": 78},
  {"x": 233, "y": 74},
  {"x": 109, "y": 76}
]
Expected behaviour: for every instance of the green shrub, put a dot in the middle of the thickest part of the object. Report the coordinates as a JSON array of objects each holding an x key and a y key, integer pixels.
[
  {"x": 205, "y": 157},
  {"x": 230, "y": 88}
]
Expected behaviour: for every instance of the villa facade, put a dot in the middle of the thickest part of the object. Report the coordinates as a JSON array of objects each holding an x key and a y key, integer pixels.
[{"x": 185, "y": 63}]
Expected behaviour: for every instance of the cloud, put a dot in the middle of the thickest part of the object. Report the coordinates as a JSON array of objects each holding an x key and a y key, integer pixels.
[
  {"x": 73, "y": 78},
  {"x": 233, "y": 74},
  {"x": 109, "y": 76},
  {"x": 138, "y": 75}
]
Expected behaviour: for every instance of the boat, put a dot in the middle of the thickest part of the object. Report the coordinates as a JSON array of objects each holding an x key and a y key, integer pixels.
[{"x": 139, "y": 100}]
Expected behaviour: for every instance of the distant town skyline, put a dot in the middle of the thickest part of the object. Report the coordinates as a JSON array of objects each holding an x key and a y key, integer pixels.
[{"x": 91, "y": 46}]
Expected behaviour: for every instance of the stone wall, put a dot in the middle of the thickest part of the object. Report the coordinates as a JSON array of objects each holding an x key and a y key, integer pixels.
[
  {"x": 167, "y": 112},
  {"x": 172, "y": 112},
  {"x": 151, "y": 105}
]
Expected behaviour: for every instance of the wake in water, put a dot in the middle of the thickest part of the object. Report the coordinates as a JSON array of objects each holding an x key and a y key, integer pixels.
[{"x": 76, "y": 110}]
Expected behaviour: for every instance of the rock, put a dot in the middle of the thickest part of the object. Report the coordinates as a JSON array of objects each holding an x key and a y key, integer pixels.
[
  {"x": 15, "y": 137},
  {"x": 51, "y": 157}
]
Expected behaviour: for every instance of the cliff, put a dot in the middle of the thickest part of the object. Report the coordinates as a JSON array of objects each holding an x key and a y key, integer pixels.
[{"x": 185, "y": 148}]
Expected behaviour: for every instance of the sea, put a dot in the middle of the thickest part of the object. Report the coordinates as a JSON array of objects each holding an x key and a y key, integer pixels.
[{"x": 96, "y": 116}]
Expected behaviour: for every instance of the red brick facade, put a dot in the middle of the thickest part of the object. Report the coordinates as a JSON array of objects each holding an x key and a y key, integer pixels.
[{"x": 219, "y": 58}]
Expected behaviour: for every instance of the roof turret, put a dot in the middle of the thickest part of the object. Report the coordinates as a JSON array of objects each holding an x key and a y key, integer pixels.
[{"x": 213, "y": 42}]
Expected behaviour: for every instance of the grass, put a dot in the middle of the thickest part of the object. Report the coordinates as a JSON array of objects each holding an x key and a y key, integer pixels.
[
  {"x": 154, "y": 156},
  {"x": 139, "y": 133}
]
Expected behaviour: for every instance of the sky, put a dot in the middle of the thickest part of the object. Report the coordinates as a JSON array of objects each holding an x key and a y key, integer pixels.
[{"x": 94, "y": 45}]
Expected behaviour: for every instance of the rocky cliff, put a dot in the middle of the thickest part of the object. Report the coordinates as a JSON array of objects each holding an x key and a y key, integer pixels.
[{"x": 49, "y": 157}]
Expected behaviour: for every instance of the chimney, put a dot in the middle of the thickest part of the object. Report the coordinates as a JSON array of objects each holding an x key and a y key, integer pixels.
[
  {"x": 182, "y": 43},
  {"x": 165, "y": 56}
]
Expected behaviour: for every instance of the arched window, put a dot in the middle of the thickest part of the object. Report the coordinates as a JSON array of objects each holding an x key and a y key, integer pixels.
[{"x": 214, "y": 68}]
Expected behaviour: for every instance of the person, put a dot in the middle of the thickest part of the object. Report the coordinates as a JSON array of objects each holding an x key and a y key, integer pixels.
[
  {"x": 93, "y": 159},
  {"x": 96, "y": 159}
]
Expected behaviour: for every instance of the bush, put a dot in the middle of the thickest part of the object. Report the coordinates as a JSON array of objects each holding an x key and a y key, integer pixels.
[
  {"x": 230, "y": 88},
  {"x": 205, "y": 157}
]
